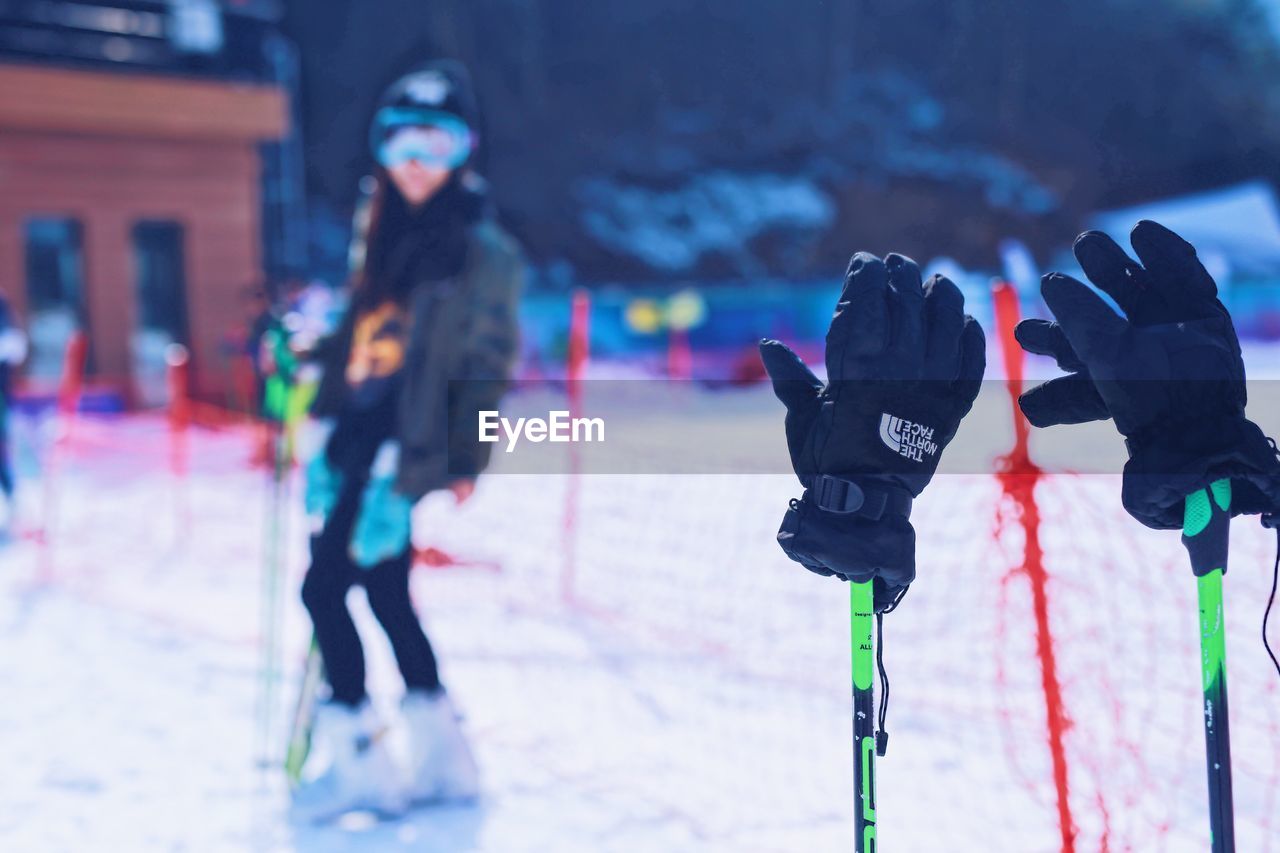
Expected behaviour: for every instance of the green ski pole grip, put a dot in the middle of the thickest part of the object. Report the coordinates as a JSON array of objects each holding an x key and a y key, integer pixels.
[
  {"x": 861, "y": 619},
  {"x": 861, "y": 614},
  {"x": 1205, "y": 527}
]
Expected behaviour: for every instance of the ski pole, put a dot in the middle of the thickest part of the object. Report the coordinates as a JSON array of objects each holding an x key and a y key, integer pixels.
[
  {"x": 304, "y": 712},
  {"x": 861, "y": 611},
  {"x": 1205, "y": 526},
  {"x": 270, "y": 596},
  {"x": 278, "y": 409}
]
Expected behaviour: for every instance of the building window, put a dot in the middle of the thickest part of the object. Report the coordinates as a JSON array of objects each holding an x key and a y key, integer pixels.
[
  {"x": 161, "y": 289},
  {"x": 55, "y": 292},
  {"x": 195, "y": 26}
]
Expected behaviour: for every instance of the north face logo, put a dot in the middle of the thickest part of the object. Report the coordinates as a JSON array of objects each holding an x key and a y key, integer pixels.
[{"x": 907, "y": 438}]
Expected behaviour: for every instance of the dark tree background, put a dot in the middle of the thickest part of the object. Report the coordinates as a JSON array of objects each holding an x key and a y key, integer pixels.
[{"x": 929, "y": 126}]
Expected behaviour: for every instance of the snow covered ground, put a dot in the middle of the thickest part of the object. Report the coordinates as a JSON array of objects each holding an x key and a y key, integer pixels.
[{"x": 660, "y": 679}]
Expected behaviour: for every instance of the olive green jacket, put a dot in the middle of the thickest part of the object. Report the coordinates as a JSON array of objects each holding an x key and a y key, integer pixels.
[{"x": 463, "y": 344}]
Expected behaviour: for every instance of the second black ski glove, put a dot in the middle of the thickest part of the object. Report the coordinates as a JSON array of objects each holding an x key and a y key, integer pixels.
[
  {"x": 904, "y": 364},
  {"x": 1169, "y": 373}
]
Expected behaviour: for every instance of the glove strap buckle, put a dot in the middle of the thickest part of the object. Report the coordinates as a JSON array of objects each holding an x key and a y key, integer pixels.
[{"x": 845, "y": 497}]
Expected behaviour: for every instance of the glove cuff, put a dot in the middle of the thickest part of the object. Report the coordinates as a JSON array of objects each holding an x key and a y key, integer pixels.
[
  {"x": 1166, "y": 466},
  {"x": 866, "y": 499},
  {"x": 849, "y": 545}
]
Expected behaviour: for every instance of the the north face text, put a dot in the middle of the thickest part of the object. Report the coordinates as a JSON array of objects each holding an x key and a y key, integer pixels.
[{"x": 907, "y": 438}]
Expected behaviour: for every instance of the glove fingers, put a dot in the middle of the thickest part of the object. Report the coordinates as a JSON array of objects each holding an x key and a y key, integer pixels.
[
  {"x": 944, "y": 321},
  {"x": 1173, "y": 262},
  {"x": 1089, "y": 323},
  {"x": 973, "y": 362},
  {"x": 906, "y": 305},
  {"x": 1065, "y": 400},
  {"x": 860, "y": 326},
  {"x": 1044, "y": 337},
  {"x": 1112, "y": 270},
  {"x": 793, "y": 382}
]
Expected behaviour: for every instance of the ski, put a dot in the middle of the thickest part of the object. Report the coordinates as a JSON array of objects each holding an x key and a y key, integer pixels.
[{"x": 304, "y": 715}]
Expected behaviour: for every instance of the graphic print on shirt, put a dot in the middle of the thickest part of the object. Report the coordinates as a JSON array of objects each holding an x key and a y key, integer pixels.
[{"x": 377, "y": 351}]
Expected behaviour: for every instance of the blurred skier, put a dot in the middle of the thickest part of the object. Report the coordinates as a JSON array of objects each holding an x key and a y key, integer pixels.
[
  {"x": 434, "y": 299},
  {"x": 13, "y": 351}
]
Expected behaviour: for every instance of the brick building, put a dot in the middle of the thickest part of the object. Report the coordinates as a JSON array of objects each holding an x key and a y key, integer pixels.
[{"x": 142, "y": 147}]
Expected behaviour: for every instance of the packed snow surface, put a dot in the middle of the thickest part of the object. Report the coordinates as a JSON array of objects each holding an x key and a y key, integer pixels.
[{"x": 655, "y": 676}]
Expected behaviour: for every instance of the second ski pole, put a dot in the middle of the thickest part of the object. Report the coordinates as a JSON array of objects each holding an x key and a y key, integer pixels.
[{"x": 1207, "y": 520}]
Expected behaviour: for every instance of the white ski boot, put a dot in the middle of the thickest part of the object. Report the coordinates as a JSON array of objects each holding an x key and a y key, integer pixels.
[
  {"x": 441, "y": 766},
  {"x": 361, "y": 775}
]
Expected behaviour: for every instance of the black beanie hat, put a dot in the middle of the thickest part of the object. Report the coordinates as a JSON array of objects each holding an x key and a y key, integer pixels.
[{"x": 441, "y": 86}]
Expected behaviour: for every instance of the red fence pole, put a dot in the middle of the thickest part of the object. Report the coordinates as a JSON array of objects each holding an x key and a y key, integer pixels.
[
  {"x": 178, "y": 363},
  {"x": 679, "y": 355},
  {"x": 71, "y": 383},
  {"x": 1018, "y": 478},
  {"x": 579, "y": 351},
  {"x": 70, "y": 390}
]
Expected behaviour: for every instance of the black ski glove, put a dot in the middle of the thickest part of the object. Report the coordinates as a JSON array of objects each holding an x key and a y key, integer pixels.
[
  {"x": 904, "y": 364},
  {"x": 1169, "y": 373}
]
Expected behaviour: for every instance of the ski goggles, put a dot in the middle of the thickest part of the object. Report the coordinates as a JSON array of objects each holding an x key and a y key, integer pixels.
[{"x": 430, "y": 137}]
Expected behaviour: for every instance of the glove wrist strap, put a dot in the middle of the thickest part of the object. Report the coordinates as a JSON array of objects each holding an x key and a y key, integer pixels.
[{"x": 845, "y": 497}]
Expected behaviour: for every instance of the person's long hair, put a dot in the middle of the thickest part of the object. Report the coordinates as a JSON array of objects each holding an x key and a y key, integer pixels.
[
  {"x": 457, "y": 203},
  {"x": 389, "y": 218}
]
